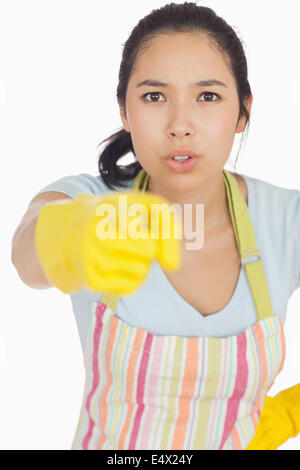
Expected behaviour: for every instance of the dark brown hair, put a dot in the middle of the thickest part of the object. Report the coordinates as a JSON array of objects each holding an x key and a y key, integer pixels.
[{"x": 171, "y": 18}]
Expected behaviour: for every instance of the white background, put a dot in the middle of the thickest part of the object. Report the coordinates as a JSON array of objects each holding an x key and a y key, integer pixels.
[{"x": 59, "y": 64}]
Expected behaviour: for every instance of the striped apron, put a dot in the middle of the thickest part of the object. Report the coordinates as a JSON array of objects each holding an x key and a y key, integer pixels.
[{"x": 144, "y": 391}]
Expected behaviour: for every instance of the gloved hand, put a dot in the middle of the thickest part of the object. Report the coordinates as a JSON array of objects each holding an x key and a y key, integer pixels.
[
  {"x": 279, "y": 420},
  {"x": 73, "y": 252}
]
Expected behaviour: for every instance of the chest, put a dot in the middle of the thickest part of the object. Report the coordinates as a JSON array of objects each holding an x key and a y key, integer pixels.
[{"x": 207, "y": 279}]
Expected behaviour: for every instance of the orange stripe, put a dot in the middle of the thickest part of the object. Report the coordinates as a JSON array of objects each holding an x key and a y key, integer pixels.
[
  {"x": 254, "y": 420},
  {"x": 236, "y": 439},
  {"x": 263, "y": 362},
  {"x": 283, "y": 346}
]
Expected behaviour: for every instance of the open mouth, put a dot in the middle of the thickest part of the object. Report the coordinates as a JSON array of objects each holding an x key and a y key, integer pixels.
[
  {"x": 183, "y": 159},
  {"x": 181, "y": 166}
]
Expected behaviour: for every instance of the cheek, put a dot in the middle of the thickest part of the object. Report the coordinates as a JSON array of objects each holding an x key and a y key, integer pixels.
[
  {"x": 143, "y": 132},
  {"x": 220, "y": 133},
  {"x": 145, "y": 127},
  {"x": 222, "y": 127}
]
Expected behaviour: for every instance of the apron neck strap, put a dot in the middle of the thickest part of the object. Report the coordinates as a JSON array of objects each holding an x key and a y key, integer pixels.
[{"x": 246, "y": 242}]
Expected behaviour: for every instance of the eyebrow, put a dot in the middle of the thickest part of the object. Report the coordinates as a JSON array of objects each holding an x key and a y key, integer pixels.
[{"x": 211, "y": 82}]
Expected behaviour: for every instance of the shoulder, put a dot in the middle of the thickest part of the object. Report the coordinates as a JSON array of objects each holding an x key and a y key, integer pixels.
[
  {"x": 275, "y": 214},
  {"x": 84, "y": 183},
  {"x": 267, "y": 189},
  {"x": 262, "y": 188},
  {"x": 272, "y": 205}
]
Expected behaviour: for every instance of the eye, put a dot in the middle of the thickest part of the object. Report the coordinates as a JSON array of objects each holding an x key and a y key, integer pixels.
[
  {"x": 210, "y": 93},
  {"x": 151, "y": 93},
  {"x": 158, "y": 93}
]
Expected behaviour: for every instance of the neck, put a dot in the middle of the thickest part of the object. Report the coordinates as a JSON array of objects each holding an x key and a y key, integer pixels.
[{"x": 211, "y": 194}]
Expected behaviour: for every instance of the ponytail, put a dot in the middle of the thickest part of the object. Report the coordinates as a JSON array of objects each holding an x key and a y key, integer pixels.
[{"x": 119, "y": 144}]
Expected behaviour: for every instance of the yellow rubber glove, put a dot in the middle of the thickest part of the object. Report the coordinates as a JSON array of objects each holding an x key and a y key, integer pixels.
[
  {"x": 279, "y": 420},
  {"x": 73, "y": 252}
]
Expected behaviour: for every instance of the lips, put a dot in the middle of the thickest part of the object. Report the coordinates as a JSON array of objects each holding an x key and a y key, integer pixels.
[
  {"x": 182, "y": 167},
  {"x": 181, "y": 153}
]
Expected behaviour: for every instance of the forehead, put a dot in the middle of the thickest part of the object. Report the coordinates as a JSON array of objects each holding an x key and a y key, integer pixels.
[{"x": 188, "y": 54}]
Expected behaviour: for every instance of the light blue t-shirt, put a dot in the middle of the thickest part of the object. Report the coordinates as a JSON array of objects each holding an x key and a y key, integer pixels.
[{"x": 156, "y": 306}]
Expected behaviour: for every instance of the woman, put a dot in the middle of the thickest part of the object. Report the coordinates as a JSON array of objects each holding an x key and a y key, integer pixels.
[{"x": 181, "y": 358}]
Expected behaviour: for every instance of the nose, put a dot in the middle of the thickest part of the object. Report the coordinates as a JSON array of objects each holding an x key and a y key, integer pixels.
[
  {"x": 180, "y": 124},
  {"x": 179, "y": 133}
]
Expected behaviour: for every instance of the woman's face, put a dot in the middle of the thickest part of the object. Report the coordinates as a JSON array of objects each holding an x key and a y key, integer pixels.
[{"x": 200, "y": 118}]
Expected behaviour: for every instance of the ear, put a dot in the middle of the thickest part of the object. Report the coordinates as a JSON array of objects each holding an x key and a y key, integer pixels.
[
  {"x": 123, "y": 117},
  {"x": 242, "y": 121}
]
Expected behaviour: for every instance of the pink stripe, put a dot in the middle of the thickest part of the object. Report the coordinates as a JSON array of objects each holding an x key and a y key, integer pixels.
[
  {"x": 140, "y": 391},
  {"x": 152, "y": 393},
  {"x": 239, "y": 389},
  {"x": 95, "y": 370}
]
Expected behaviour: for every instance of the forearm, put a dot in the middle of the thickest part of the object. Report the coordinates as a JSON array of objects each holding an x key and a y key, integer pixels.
[{"x": 24, "y": 256}]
